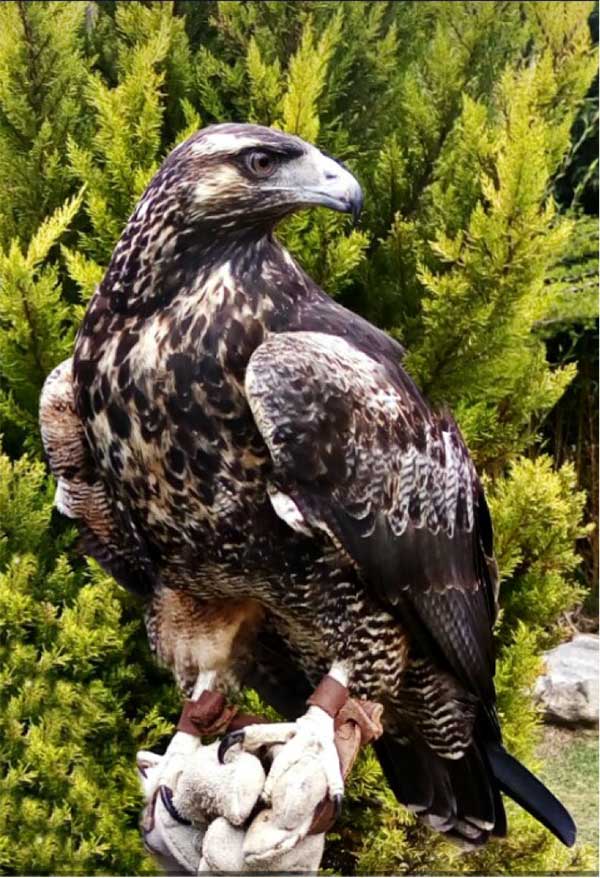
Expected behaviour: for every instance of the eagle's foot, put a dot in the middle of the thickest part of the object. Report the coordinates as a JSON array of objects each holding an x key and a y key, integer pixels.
[{"x": 304, "y": 772}]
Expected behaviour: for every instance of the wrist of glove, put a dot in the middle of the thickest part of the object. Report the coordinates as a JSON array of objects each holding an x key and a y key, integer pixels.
[{"x": 205, "y": 816}]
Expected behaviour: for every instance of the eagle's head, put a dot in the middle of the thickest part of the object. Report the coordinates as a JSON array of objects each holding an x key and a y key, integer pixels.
[
  {"x": 236, "y": 176},
  {"x": 220, "y": 191}
]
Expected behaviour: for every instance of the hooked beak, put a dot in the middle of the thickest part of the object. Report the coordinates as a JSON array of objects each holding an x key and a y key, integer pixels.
[{"x": 335, "y": 188}]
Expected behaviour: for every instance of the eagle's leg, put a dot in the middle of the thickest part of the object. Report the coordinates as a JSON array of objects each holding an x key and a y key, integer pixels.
[{"x": 182, "y": 742}]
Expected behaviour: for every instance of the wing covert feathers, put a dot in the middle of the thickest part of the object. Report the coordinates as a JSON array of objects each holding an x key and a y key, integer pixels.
[{"x": 362, "y": 458}]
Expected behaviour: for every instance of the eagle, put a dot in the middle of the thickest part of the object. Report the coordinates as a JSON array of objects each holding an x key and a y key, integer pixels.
[{"x": 252, "y": 460}]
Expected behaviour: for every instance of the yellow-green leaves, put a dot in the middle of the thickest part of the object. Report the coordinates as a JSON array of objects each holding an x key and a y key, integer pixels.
[
  {"x": 306, "y": 80},
  {"x": 127, "y": 144},
  {"x": 537, "y": 512},
  {"x": 51, "y": 230},
  {"x": 484, "y": 288},
  {"x": 319, "y": 240},
  {"x": 70, "y": 677},
  {"x": 43, "y": 71},
  {"x": 86, "y": 273},
  {"x": 37, "y": 323},
  {"x": 266, "y": 86}
]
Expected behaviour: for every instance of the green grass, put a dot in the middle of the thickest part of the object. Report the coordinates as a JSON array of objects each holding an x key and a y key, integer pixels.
[{"x": 570, "y": 769}]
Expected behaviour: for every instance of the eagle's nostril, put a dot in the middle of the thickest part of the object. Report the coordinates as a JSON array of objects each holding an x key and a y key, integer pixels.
[{"x": 329, "y": 175}]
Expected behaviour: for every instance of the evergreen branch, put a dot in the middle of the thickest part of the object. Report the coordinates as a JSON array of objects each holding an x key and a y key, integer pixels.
[
  {"x": 33, "y": 332},
  {"x": 35, "y": 91}
]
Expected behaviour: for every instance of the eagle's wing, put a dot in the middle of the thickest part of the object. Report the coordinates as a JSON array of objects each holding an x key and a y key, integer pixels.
[
  {"x": 81, "y": 494},
  {"x": 362, "y": 458}
]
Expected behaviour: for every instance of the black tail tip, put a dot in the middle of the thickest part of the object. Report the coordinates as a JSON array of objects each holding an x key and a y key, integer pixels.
[
  {"x": 530, "y": 793},
  {"x": 568, "y": 833}
]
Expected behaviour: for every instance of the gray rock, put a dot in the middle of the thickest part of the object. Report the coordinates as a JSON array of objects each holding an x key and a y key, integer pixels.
[{"x": 568, "y": 691}]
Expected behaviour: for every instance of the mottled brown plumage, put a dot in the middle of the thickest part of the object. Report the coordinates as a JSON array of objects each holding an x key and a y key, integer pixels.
[{"x": 253, "y": 461}]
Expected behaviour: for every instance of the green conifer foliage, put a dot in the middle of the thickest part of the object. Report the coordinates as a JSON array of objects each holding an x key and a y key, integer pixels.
[
  {"x": 43, "y": 72},
  {"x": 78, "y": 697},
  {"x": 457, "y": 118},
  {"x": 151, "y": 66},
  {"x": 37, "y": 323}
]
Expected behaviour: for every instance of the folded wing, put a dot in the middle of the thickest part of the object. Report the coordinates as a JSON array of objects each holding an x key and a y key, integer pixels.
[{"x": 365, "y": 460}]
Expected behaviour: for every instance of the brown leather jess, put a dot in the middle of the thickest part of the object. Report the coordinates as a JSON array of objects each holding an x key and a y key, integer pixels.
[
  {"x": 211, "y": 715},
  {"x": 329, "y": 695},
  {"x": 356, "y": 723},
  {"x": 207, "y": 715}
]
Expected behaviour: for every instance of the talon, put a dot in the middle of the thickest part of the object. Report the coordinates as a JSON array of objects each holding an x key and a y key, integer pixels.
[
  {"x": 338, "y": 800},
  {"x": 166, "y": 795},
  {"x": 229, "y": 741}
]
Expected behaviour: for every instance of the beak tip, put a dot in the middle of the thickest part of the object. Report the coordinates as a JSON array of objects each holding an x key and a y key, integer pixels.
[{"x": 337, "y": 188}]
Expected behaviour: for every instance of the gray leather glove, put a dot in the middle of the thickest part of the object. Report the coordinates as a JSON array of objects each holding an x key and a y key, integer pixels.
[{"x": 199, "y": 813}]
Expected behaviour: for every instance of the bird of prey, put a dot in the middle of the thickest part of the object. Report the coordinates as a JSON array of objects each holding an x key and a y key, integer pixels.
[{"x": 252, "y": 460}]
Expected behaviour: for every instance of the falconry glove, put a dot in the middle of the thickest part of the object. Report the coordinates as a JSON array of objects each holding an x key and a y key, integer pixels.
[
  {"x": 206, "y": 816},
  {"x": 199, "y": 814}
]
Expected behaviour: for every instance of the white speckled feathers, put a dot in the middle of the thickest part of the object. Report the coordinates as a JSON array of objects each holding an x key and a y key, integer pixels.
[{"x": 79, "y": 495}]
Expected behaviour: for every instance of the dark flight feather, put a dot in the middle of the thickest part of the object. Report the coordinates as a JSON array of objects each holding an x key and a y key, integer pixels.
[
  {"x": 521, "y": 785},
  {"x": 329, "y": 415}
]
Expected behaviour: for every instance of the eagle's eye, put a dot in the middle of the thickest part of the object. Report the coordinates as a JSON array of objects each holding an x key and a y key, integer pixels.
[{"x": 261, "y": 164}]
